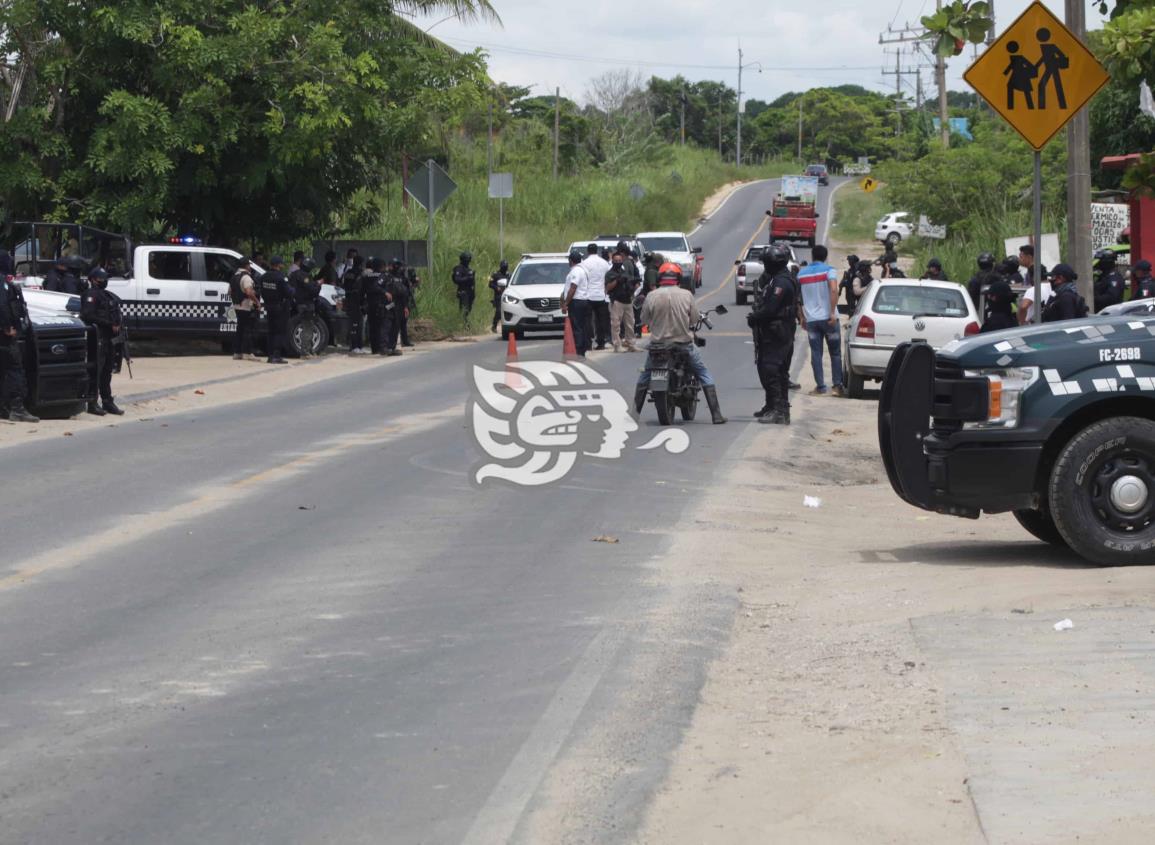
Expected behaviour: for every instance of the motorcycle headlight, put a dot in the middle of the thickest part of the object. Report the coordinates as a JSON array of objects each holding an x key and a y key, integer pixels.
[
  {"x": 1006, "y": 387},
  {"x": 510, "y": 299}
]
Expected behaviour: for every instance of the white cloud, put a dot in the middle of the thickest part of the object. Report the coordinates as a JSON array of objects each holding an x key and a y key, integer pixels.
[{"x": 832, "y": 42}]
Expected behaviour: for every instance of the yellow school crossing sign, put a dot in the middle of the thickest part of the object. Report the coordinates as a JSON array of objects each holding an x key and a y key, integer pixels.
[
  {"x": 1037, "y": 75},
  {"x": 869, "y": 184}
]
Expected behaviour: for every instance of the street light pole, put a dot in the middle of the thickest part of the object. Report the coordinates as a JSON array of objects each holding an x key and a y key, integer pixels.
[{"x": 738, "y": 148}]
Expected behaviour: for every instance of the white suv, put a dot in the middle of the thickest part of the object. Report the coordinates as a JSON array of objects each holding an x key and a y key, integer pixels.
[
  {"x": 531, "y": 301},
  {"x": 674, "y": 247},
  {"x": 894, "y": 311},
  {"x": 893, "y": 227}
]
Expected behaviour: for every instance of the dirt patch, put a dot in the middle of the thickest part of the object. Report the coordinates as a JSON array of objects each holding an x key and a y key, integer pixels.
[{"x": 715, "y": 200}]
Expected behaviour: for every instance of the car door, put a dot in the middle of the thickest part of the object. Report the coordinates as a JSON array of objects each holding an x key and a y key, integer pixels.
[{"x": 169, "y": 298}]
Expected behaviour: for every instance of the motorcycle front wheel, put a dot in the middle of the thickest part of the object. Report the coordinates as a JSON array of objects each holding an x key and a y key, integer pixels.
[{"x": 664, "y": 404}]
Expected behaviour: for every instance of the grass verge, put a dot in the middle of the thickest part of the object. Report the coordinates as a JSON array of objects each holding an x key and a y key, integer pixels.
[{"x": 856, "y": 212}]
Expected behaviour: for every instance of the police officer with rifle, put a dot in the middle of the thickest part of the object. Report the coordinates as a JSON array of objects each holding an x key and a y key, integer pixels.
[
  {"x": 101, "y": 310},
  {"x": 774, "y": 320},
  {"x": 277, "y": 297},
  {"x": 13, "y": 326}
]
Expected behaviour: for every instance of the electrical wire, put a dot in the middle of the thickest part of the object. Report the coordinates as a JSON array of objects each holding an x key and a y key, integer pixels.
[{"x": 545, "y": 54}]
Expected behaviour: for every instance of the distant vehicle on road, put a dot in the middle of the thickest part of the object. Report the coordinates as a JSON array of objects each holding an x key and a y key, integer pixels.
[
  {"x": 819, "y": 172},
  {"x": 794, "y": 212},
  {"x": 894, "y": 227},
  {"x": 1052, "y": 423},
  {"x": 750, "y": 268},
  {"x": 897, "y": 311},
  {"x": 675, "y": 248},
  {"x": 610, "y": 242},
  {"x": 532, "y": 299}
]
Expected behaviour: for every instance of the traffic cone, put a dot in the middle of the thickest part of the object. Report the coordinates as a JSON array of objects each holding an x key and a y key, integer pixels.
[
  {"x": 569, "y": 345},
  {"x": 513, "y": 378}
]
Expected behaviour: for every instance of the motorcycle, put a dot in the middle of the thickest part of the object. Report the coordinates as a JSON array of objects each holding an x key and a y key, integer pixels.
[{"x": 673, "y": 384}]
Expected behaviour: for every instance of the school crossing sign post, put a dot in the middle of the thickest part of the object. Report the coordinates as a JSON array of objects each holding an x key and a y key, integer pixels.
[{"x": 1037, "y": 75}]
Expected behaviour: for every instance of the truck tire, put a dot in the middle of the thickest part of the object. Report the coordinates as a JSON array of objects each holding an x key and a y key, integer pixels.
[
  {"x": 1102, "y": 492},
  {"x": 740, "y": 297},
  {"x": 1040, "y": 525}
]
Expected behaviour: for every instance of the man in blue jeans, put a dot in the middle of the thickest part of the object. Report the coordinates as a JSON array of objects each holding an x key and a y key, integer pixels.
[{"x": 819, "y": 284}]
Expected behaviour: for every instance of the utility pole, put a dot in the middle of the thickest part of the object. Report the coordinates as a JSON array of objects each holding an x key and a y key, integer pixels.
[
  {"x": 898, "y": 73},
  {"x": 489, "y": 144},
  {"x": 683, "y": 115},
  {"x": 738, "y": 148},
  {"x": 940, "y": 81},
  {"x": 799, "y": 129},
  {"x": 918, "y": 89},
  {"x": 721, "y": 100},
  {"x": 1079, "y": 175},
  {"x": 556, "y": 127}
]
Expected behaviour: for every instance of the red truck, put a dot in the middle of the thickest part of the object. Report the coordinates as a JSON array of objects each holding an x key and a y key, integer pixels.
[{"x": 794, "y": 215}]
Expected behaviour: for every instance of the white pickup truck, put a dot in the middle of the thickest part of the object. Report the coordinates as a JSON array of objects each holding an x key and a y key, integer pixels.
[{"x": 178, "y": 289}]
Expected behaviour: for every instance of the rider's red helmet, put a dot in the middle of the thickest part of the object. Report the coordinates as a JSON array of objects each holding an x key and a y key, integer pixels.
[{"x": 669, "y": 274}]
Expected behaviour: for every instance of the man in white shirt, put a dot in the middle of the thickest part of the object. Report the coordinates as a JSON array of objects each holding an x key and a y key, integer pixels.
[
  {"x": 575, "y": 302},
  {"x": 1028, "y": 308},
  {"x": 596, "y": 268}
]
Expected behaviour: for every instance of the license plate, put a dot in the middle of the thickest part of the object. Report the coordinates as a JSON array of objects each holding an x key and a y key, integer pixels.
[
  {"x": 659, "y": 374},
  {"x": 545, "y": 319}
]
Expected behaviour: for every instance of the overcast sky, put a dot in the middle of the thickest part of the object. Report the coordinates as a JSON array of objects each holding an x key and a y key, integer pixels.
[{"x": 836, "y": 41}]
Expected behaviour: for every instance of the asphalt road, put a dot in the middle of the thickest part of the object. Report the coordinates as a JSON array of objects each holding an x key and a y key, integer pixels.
[{"x": 295, "y": 620}]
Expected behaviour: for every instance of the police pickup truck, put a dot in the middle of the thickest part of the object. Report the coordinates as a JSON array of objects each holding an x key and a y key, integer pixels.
[
  {"x": 1053, "y": 423},
  {"x": 179, "y": 289}
]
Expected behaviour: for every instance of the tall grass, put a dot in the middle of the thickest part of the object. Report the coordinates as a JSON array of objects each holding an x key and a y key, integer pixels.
[
  {"x": 546, "y": 216},
  {"x": 856, "y": 213}
]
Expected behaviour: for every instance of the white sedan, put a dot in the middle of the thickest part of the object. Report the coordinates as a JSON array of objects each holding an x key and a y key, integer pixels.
[{"x": 894, "y": 311}]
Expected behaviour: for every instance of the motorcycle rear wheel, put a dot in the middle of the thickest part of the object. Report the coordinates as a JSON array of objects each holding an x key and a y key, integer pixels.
[
  {"x": 690, "y": 409},
  {"x": 664, "y": 406}
]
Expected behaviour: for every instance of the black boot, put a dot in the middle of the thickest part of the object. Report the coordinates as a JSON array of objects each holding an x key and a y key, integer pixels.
[
  {"x": 640, "y": 398},
  {"x": 712, "y": 401},
  {"x": 110, "y": 408},
  {"x": 18, "y": 413},
  {"x": 95, "y": 409},
  {"x": 763, "y": 411}
]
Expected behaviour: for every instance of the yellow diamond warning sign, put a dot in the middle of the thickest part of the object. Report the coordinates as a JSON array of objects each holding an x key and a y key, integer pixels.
[{"x": 1037, "y": 75}]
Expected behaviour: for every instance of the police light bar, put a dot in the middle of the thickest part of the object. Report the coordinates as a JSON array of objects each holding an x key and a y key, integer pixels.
[{"x": 186, "y": 240}]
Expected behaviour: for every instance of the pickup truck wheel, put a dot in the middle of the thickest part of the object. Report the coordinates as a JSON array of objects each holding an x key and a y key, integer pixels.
[
  {"x": 320, "y": 336},
  {"x": 1102, "y": 492},
  {"x": 740, "y": 297},
  {"x": 1041, "y": 525}
]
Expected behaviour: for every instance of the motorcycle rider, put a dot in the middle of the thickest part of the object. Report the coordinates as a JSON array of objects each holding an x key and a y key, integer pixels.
[
  {"x": 498, "y": 283},
  {"x": 101, "y": 309},
  {"x": 465, "y": 280},
  {"x": 13, "y": 325},
  {"x": 774, "y": 320},
  {"x": 671, "y": 314},
  {"x": 1109, "y": 282}
]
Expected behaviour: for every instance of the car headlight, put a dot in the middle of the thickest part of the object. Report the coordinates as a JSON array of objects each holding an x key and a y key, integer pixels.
[
  {"x": 510, "y": 299},
  {"x": 1006, "y": 387}
]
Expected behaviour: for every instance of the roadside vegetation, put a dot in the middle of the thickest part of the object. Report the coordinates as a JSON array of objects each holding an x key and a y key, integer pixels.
[{"x": 856, "y": 212}]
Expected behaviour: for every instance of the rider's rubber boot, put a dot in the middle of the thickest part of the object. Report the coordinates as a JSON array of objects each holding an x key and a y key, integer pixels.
[
  {"x": 18, "y": 413},
  {"x": 640, "y": 398},
  {"x": 712, "y": 401}
]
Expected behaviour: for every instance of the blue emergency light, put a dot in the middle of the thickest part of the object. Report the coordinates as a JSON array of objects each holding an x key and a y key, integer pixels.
[{"x": 186, "y": 240}]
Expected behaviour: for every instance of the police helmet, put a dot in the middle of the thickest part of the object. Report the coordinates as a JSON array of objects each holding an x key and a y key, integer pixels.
[
  {"x": 648, "y": 258},
  {"x": 396, "y": 262},
  {"x": 852, "y": 260},
  {"x": 986, "y": 261},
  {"x": 75, "y": 263},
  {"x": 503, "y": 266},
  {"x": 465, "y": 257},
  {"x": 376, "y": 263},
  {"x": 98, "y": 274},
  {"x": 775, "y": 257},
  {"x": 1011, "y": 264},
  {"x": 934, "y": 264},
  {"x": 1105, "y": 258},
  {"x": 308, "y": 264}
]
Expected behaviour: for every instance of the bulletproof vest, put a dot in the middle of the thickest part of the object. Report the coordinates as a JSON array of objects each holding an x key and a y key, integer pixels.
[
  {"x": 463, "y": 276},
  {"x": 273, "y": 289},
  {"x": 373, "y": 284}
]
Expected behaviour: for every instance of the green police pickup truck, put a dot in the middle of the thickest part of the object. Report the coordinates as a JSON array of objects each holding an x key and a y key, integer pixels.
[{"x": 1053, "y": 423}]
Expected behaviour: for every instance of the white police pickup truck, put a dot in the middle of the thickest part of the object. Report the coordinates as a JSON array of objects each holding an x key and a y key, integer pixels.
[{"x": 178, "y": 289}]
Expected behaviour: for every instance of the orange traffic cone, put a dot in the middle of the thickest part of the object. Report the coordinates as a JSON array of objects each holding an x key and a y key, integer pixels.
[
  {"x": 569, "y": 345},
  {"x": 513, "y": 378}
]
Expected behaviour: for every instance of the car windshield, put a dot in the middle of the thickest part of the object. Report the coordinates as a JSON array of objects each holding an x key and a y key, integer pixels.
[
  {"x": 909, "y": 300},
  {"x": 540, "y": 273},
  {"x": 815, "y": 169},
  {"x": 671, "y": 244},
  {"x": 754, "y": 253}
]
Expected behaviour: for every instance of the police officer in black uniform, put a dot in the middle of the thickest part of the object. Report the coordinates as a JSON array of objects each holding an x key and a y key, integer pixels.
[
  {"x": 1109, "y": 282},
  {"x": 999, "y": 302},
  {"x": 984, "y": 277},
  {"x": 277, "y": 297},
  {"x": 412, "y": 282},
  {"x": 306, "y": 292},
  {"x": 13, "y": 327},
  {"x": 373, "y": 287},
  {"x": 100, "y": 309},
  {"x": 774, "y": 320},
  {"x": 396, "y": 302},
  {"x": 1065, "y": 303},
  {"x": 465, "y": 280},
  {"x": 497, "y": 283},
  {"x": 66, "y": 278},
  {"x": 1142, "y": 284},
  {"x": 354, "y": 303},
  {"x": 846, "y": 286}
]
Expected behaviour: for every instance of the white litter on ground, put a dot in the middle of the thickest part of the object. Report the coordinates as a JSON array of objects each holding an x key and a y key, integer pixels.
[{"x": 1065, "y": 625}]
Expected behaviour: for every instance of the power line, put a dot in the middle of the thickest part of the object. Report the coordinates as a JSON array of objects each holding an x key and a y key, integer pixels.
[{"x": 545, "y": 54}]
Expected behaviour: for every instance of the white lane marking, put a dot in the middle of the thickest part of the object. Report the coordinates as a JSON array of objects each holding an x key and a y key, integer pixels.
[
  {"x": 497, "y": 820},
  {"x": 729, "y": 196}
]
